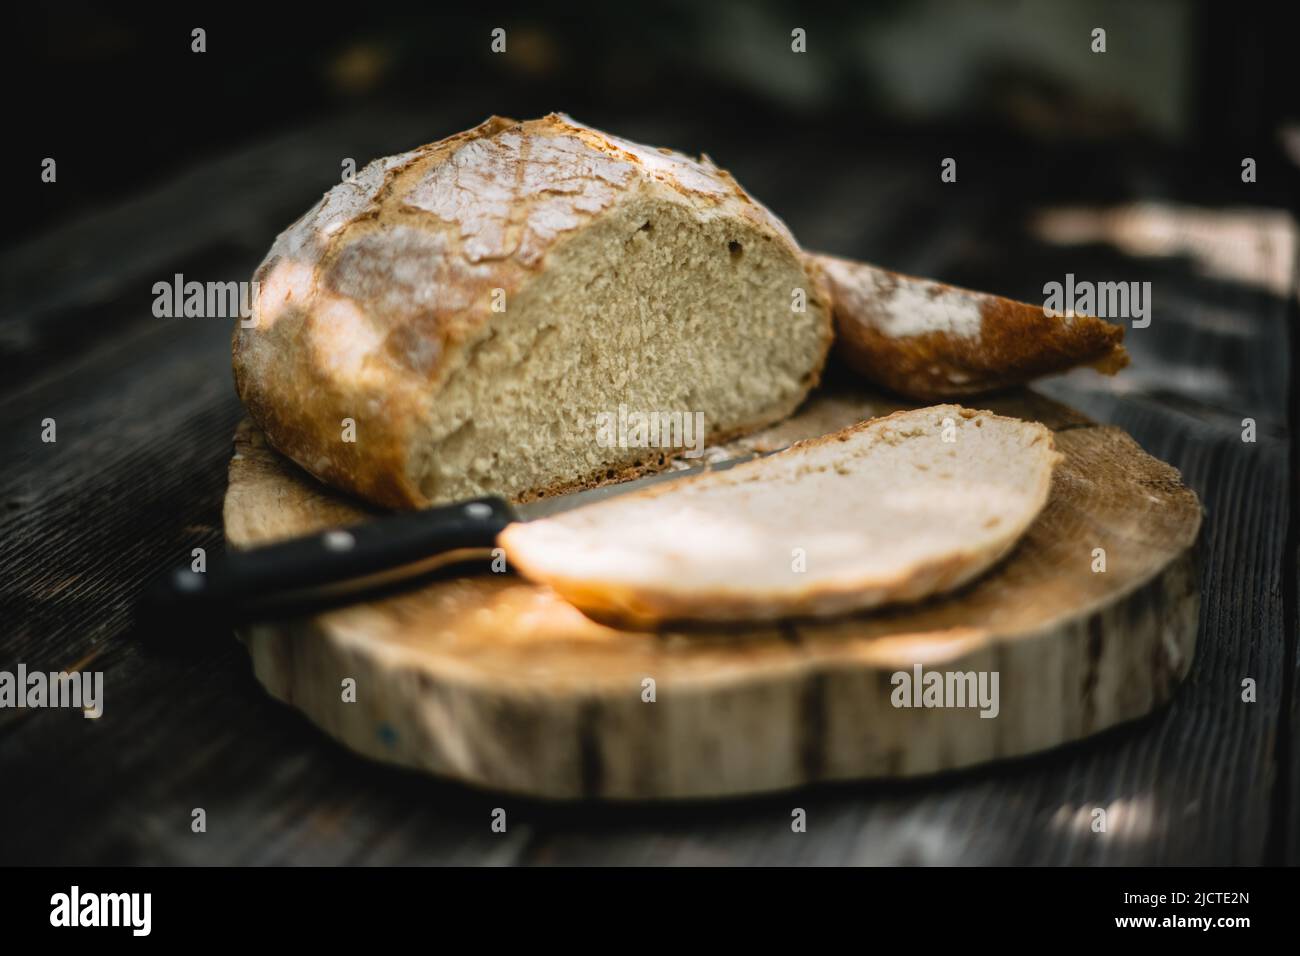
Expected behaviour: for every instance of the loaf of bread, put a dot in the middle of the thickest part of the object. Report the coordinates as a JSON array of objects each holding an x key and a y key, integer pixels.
[
  {"x": 930, "y": 341},
  {"x": 894, "y": 509},
  {"x": 486, "y": 313}
]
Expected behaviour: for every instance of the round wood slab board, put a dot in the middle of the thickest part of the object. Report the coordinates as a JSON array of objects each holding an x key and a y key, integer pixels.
[{"x": 499, "y": 683}]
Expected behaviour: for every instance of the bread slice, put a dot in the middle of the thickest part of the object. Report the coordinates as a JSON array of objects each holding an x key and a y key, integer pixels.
[
  {"x": 930, "y": 341},
  {"x": 890, "y": 510},
  {"x": 481, "y": 311}
]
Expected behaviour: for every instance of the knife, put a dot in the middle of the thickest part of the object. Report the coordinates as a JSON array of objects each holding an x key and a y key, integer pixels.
[{"x": 342, "y": 565}]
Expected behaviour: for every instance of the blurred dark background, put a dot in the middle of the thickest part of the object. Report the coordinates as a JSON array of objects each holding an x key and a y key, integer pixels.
[{"x": 119, "y": 98}]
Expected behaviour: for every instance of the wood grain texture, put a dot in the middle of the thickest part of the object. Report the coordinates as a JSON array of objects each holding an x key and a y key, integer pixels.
[
  {"x": 145, "y": 414},
  {"x": 502, "y": 684}
]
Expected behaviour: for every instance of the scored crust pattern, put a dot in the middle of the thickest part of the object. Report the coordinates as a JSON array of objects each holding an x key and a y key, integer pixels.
[{"x": 363, "y": 302}]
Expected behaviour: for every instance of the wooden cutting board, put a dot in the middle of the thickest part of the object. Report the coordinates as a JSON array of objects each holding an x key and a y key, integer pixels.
[{"x": 499, "y": 683}]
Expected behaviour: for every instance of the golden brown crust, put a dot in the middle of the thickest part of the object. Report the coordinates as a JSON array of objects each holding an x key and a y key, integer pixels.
[
  {"x": 652, "y": 605},
  {"x": 376, "y": 295},
  {"x": 971, "y": 342}
]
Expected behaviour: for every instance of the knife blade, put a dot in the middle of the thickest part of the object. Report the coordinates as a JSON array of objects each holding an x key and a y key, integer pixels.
[{"x": 345, "y": 564}]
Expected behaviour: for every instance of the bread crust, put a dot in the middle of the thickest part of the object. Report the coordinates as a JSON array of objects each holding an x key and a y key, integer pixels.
[
  {"x": 369, "y": 302},
  {"x": 653, "y": 604},
  {"x": 930, "y": 341}
]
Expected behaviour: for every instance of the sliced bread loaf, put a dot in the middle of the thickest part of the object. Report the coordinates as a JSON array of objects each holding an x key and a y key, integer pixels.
[
  {"x": 889, "y": 510},
  {"x": 474, "y": 316},
  {"x": 929, "y": 341}
]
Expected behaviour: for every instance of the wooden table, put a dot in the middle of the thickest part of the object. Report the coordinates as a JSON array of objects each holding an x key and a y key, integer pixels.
[{"x": 145, "y": 412}]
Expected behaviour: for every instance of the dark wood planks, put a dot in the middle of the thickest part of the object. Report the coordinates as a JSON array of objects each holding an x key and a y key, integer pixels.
[
  {"x": 1195, "y": 784},
  {"x": 145, "y": 413},
  {"x": 1287, "y": 809},
  {"x": 1190, "y": 785}
]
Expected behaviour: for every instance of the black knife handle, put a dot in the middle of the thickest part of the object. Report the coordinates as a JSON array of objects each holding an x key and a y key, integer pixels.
[{"x": 302, "y": 572}]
